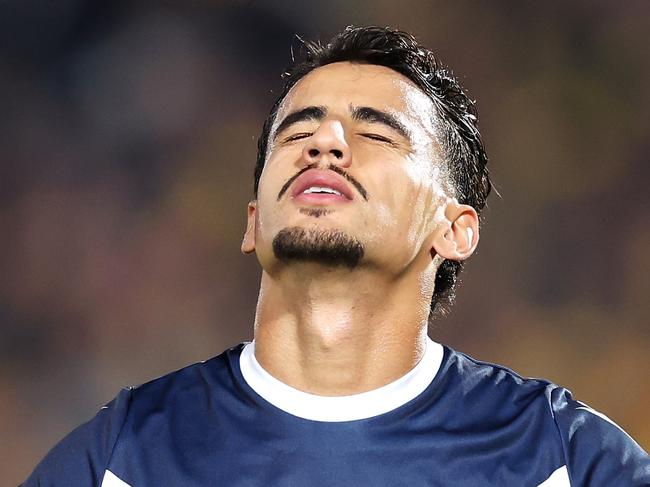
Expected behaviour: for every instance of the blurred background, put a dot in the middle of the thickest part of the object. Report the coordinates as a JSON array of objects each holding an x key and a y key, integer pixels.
[{"x": 127, "y": 144}]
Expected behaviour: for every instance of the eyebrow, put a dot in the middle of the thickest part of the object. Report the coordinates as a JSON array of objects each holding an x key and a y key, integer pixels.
[
  {"x": 360, "y": 114},
  {"x": 372, "y": 115},
  {"x": 308, "y": 113}
]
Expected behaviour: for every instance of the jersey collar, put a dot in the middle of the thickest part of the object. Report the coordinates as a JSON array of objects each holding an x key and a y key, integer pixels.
[{"x": 341, "y": 408}]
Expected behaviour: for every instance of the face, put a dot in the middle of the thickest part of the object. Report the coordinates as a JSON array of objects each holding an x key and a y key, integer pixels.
[{"x": 353, "y": 158}]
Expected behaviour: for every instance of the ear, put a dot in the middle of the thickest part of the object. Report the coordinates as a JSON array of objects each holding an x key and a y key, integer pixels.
[
  {"x": 456, "y": 236},
  {"x": 248, "y": 243}
]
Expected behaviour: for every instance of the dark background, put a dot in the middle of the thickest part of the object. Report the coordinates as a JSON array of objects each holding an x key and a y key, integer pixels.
[{"x": 127, "y": 142}]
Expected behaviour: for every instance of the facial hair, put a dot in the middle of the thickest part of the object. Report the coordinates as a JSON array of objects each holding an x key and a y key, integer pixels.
[{"x": 328, "y": 247}]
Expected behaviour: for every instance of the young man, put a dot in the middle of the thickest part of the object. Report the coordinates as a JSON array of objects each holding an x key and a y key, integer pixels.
[{"x": 370, "y": 179}]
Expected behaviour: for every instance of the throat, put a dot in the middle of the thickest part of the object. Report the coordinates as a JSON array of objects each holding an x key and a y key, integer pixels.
[
  {"x": 336, "y": 332},
  {"x": 332, "y": 354}
]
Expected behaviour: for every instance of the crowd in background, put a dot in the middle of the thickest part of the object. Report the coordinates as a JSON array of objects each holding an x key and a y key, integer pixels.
[{"x": 127, "y": 144}]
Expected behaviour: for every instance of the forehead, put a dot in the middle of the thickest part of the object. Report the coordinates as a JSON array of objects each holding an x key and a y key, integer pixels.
[{"x": 337, "y": 86}]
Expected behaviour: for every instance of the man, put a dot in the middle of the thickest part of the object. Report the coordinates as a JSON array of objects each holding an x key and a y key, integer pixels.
[{"x": 370, "y": 178}]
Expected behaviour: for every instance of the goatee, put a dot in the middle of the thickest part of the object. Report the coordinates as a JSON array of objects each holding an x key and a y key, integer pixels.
[{"x": 328, "y": 247}]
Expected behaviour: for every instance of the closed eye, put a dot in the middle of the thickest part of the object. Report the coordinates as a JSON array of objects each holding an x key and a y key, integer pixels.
[
  {"x": 377, "y": 137},
  {"x": 298, "y": 136}
]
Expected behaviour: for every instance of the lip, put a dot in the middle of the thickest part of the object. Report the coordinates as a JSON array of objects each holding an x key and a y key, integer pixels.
[{"x": 315, "y": 177}]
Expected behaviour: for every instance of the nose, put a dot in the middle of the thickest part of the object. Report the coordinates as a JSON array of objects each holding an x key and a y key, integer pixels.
[{"x": 328, "y": 145}]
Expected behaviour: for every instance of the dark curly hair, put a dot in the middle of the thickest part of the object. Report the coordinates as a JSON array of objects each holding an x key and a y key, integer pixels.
[{"x": 460, "y": 138}]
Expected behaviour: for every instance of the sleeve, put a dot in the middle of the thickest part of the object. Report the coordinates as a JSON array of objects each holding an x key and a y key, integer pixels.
[
  {"x": 597, "y": 451},
  {"x": 80, "y": 459}
]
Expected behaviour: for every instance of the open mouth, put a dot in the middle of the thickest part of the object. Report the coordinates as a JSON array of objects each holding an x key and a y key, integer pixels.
[{"x": 321, "y": 187}]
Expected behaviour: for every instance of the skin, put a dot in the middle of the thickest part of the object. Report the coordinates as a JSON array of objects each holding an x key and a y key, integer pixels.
[{"x": 332, "y": 330}]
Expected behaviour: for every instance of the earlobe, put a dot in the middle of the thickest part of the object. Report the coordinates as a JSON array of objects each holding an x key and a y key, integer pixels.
[
  {"x": 248, "y": 242},
  {"x": 457, "y": 235}
]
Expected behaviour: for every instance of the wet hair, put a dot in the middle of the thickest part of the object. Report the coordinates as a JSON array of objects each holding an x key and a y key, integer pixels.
[{"x": 456, "y": 117}]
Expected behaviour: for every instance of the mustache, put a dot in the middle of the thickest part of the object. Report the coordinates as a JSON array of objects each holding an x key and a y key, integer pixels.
[{"x": 332, "y": 167}]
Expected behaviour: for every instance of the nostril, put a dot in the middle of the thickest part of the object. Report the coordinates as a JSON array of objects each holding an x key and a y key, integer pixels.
[
  {"x": 337, "y": 153},
  {"x": 313, "y": 152}
]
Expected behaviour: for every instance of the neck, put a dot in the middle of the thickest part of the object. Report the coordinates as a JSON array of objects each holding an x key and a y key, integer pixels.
[{"x": 335, "y": 332}]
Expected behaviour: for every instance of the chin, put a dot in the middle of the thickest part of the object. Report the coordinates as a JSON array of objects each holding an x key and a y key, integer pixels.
[{"x": 330, "y": 246}]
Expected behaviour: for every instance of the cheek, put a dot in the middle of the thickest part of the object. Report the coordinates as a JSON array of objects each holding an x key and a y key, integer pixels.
[
  {"x": 395, "y": 204},
  {"x": 266, "y": 202},
  {"x": 420, "y": 195},
  {"x": 279, "y": 155},
  {"x": 384, "y": 221},
  {"x": 273, "y": 177}
]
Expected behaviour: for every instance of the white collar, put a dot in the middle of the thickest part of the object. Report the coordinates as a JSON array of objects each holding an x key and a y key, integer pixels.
[{"x": 341, "y": 408}]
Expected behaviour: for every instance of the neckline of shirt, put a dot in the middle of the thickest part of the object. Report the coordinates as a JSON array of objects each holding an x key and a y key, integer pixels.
[{"x": 341, "y": 408}]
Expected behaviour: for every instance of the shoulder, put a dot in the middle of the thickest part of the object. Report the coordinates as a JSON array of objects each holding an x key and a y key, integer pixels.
[
  {"x": 494, "y": 387},
  {"x": 597, "y": 450},
  {"x": 594, "y": 449},
  {"x": 157, "y": 407},
  {"x": 78, "y": 459},
  {"x": 81, "y": 458},
  {"x": 183, "y": 385}
]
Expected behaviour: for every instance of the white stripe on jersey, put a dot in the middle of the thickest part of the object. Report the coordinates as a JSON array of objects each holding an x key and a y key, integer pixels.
[
  {"x": 112, "y": 480},
  {"x": 586, "y": 407},
  {"x": 559, "y": 478}
]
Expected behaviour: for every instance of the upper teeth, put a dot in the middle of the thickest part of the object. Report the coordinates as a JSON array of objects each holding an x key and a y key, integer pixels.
[{"x": 321, "y": 189}]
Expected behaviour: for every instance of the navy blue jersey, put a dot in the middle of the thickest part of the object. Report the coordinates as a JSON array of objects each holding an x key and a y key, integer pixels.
[{"x": 452, "y": 421}]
